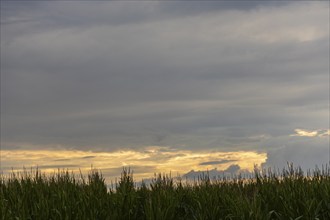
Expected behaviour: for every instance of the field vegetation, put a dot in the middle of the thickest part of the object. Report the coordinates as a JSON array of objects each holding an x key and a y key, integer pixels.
[{"x": 268, "y": 195}]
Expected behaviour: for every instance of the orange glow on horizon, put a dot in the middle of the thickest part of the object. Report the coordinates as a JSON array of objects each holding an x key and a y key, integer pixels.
[{"x": 144, "y": 163}]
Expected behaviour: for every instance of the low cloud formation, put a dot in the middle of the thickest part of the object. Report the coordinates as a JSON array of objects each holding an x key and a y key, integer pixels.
[
  {"x": 230, "y": 172},
  {"x": 216, "y": 162},
  {"x": 306, "y": 151}
]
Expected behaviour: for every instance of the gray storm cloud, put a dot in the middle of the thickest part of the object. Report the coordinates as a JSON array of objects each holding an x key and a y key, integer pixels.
[{"x": 112, "y": 75}]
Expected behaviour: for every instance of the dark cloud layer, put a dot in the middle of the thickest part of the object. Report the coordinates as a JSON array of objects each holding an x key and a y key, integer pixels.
[
  {"x": 216, "y": 162},
  {"x": 196, "y": 75}
]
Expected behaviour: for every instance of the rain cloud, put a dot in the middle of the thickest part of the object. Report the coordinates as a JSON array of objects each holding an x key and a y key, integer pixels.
[{"x": 211, "y": 76}]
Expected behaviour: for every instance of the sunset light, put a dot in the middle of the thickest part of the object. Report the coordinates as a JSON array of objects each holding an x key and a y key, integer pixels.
[{"x": 144, "y": 164}]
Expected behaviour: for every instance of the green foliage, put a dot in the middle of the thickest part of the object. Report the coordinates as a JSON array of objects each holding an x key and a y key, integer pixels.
[{"x": 269, "y": 195}]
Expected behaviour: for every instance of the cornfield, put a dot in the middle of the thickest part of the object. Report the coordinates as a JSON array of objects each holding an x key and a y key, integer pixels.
[{"x": 288, "y": 194}]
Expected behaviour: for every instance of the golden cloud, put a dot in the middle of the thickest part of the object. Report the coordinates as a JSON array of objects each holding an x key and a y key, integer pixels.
[
  {"x": 311, "y": 133},
  {"x": 144, "y": 163}
]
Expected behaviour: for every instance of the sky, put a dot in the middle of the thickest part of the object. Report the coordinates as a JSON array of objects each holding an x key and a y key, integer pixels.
[{"x": 164, "y": 86}]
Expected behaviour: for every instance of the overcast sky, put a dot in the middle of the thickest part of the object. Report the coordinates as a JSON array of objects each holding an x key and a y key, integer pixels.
[{"x": 165, "y": 80}]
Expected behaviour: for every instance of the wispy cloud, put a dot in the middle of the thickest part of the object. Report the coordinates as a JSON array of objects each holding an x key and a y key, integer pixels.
[
  {"x": 324, "y": 133},
  {"x": 311, "y": 133}
]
